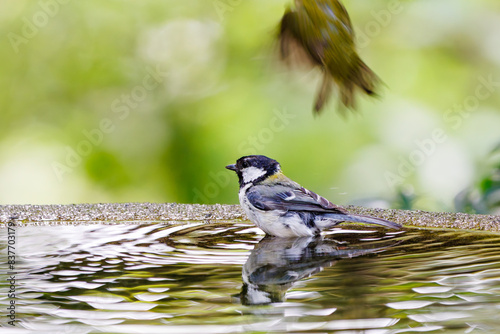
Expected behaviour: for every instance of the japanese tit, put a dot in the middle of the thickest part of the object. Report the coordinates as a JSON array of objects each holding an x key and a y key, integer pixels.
[{"x": 281, "y": 207}]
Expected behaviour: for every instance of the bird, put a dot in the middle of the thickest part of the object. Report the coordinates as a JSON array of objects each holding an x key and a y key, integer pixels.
[
  {"x": 320, "y": 34},
  {"x": 281, "y": 207}
]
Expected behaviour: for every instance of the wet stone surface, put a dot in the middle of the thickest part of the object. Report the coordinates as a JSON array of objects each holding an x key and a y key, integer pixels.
[{"x": 171, "y": 212}]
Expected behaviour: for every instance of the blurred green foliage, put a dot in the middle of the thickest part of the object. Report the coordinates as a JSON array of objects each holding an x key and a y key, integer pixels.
[
  {"x": 484, "y": 195},
  {"x": 112, "y": 101}
]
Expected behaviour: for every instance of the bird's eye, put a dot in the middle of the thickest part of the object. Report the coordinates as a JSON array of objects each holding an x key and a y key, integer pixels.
[{"x": 244, "y": 164}]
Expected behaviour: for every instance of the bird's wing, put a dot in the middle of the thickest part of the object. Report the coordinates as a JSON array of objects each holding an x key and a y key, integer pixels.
[
  {"x": 287, "y": 34},
  {"x": 291, "y": 48},
  {"x": 281, "y": 197}
]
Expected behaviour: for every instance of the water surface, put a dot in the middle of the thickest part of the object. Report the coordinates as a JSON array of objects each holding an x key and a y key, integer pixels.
[{"x": 227, "y": 278}]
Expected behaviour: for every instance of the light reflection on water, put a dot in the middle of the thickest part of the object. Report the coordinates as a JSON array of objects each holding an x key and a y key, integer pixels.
[{"x": 227, "y": 278}]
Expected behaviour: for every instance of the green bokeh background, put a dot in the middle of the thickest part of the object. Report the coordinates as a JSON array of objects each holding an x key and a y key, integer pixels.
[{"x": 132, "y": 101}]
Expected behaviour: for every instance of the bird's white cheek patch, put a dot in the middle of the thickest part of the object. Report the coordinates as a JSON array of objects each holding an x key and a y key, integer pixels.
[{"x": 252, "y": 173}]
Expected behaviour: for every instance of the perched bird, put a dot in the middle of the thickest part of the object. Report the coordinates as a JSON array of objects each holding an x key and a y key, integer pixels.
[
  {"x": 320, "y": 32},
  {"x": 281, "y": 207}
]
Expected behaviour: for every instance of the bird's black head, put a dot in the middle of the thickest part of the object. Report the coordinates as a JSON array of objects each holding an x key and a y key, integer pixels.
[{"x": 254, "y": 168}]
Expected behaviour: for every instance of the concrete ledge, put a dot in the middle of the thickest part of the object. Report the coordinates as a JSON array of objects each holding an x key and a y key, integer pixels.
[{"x": 138, "y": 212}]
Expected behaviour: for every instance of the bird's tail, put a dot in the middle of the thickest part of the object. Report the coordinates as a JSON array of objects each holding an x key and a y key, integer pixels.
[
  {"x": 361, "y": 76},
  {"x": 366, "y": 79},
  {"x": 324, "y": 92},
  {"x": 332, "y": 219}
]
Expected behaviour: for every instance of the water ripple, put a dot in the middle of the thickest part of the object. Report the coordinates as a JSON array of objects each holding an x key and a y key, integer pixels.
[{"x": 226, "y": 278}]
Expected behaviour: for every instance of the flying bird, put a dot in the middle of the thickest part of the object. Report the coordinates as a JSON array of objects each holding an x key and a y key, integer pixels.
[{"x": 320, "y": 33}]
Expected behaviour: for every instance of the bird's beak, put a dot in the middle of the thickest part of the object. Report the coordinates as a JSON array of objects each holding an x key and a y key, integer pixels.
[{"x": 231, "y": 167}]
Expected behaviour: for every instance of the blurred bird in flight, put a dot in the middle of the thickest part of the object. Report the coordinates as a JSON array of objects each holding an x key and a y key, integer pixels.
[{"x": 319, "y": 33}]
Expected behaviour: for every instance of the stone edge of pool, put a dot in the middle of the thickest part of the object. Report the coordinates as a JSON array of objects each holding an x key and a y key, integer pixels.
[{"x": 108, "y": 212}]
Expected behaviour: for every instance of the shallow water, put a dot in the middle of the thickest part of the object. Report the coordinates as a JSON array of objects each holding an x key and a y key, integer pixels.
[{"x": 227, "y": 278}]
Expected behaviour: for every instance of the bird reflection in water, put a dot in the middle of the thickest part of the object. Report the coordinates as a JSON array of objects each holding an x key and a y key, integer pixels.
[{"x": 275, "y": 264}]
